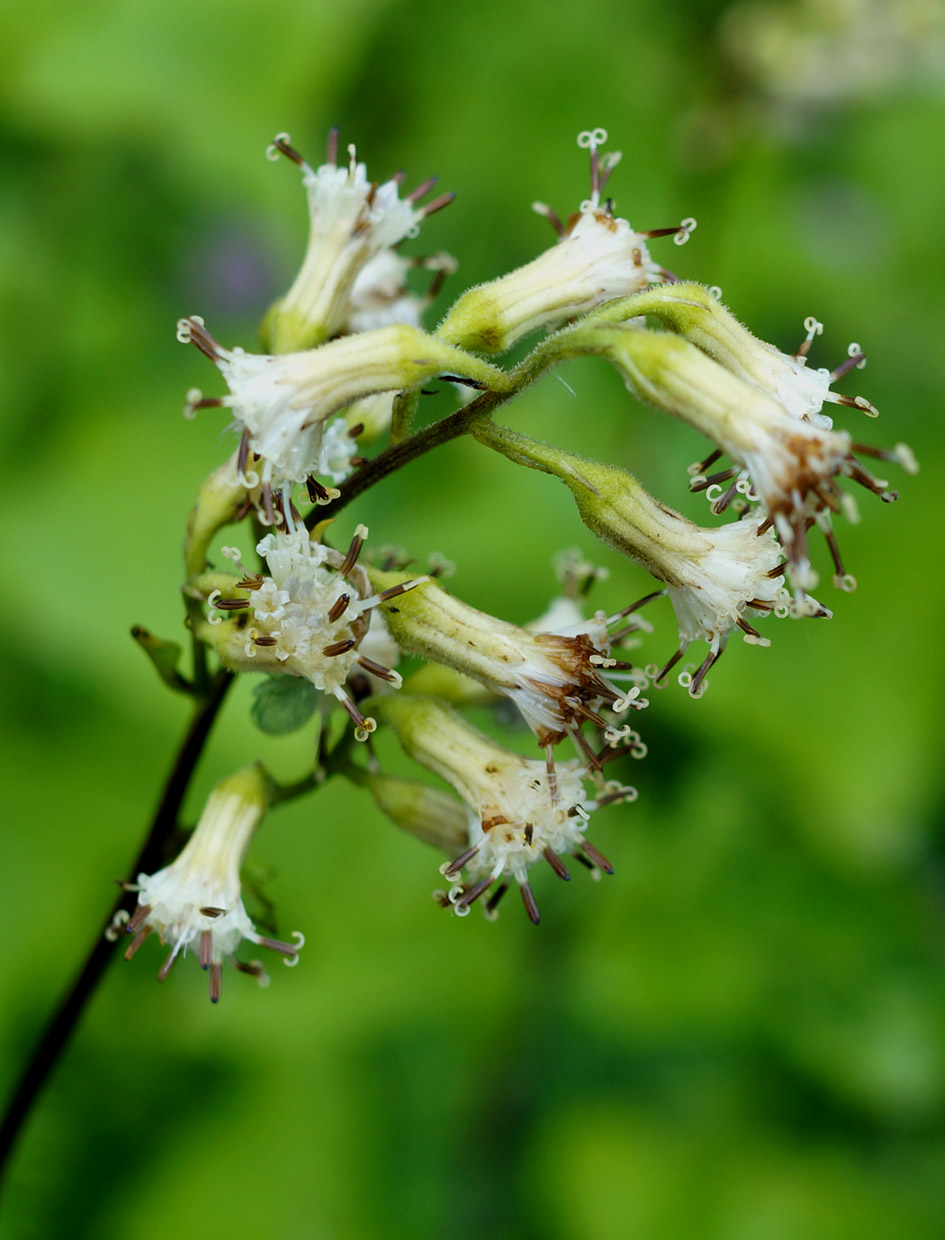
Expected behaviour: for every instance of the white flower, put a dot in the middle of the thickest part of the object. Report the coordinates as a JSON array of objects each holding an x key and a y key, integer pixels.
[
  {"x": 309, "y": 617},
  {"x": 790, "y": 461},
  {"x": 352, "y": 221},
  {"x": 381, "y": 296},
  {"x": 598, "y": 257},
  {"x": 195, "y": 902},
  {"x": 281, "y": 402},
  {"x": 337, "y": 450},
  {"x": 520, "y": 812},
  {"x": 558, "y": 680},
  {"x": 739, "y": 573}
]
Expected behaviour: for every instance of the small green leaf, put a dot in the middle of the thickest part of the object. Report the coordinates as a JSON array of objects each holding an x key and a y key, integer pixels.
[
  {"x": 164, "y": 656},
  {"x": 283, "y": 704}
]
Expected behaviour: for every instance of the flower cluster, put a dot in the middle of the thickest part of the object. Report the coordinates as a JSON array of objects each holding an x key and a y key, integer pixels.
[
  {"x": 310, "y": 616},
  {"x": 348, "y": 360}
]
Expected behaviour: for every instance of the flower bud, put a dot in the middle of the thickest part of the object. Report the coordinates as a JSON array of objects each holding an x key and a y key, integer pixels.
[
  {"x": 519, "y": 810},
  {"x": 354, "y": 222},
  {"x": 219, "y": 502},
  {"x": 554, "y": 679},
  {"x": 195, "y": 902},
  {"x": 433, "y": 816}
]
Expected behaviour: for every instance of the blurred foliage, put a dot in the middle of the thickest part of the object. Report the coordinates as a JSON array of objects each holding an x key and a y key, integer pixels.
[{"x": 738, "y": 1037}]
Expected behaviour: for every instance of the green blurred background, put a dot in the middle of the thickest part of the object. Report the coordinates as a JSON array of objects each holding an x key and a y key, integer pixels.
[{"x": 738, "y": 1037}]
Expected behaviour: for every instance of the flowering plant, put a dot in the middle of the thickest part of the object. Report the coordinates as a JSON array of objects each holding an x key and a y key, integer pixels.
[
  {"x": 332, "y": 409},
  {"x": 348, "y": 363}
]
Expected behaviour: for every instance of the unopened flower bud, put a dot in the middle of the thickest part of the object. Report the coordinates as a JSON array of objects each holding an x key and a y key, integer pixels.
[
  {"x": 353, "y": 221},
  {"x": 195, "y": 903},
  {"x": 219, "y": 502},
  {"x": 519, "y": 811},
  {"x": 433, "y": 816}
]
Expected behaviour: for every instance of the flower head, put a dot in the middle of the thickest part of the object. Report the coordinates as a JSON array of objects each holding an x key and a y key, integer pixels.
[
  {"x": 353, "y": 221},
  {"x": 519, "y": 811},
  {"x": 381, "y": 295},
  {"x": 713, "y": 576},
  {"x": 308, "y": 617},
  {"x": 598, "y": 257},
  {"x": 280, "y": 403},
  {"x": 791, "y": 461},
  {"x": 195, "y": 902},
  {"x": 557, "y": 680}
]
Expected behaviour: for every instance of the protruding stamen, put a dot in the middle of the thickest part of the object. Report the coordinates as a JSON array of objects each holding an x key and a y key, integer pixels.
[
  {"x": 452, "y": 868},
  {"x": 206, "y": 948},
  {"x": 364, "y": 725},
  {"x": 647, "y": 598},
  {"x": 360, "y": 534},
  {"x": 318, "y": 493},
  {"x": 703, "y": 482},
  {"x": 331, "y": 147},
  {"x": 853, "y": 402},
  {"x": 702, "y": 466},
  {"x": 471, "y": 894},
  {"x": 136, "y": 918},
  {"x": 337, "y": 648},
  {"x": 597, "y": 857},
  {"x": 695, "y": 687},
  {"x": 165, "y": 970},
  {"x": 242, "y": 456},
  {"x": 284, "y": 949},
  {"x": 581, "y": 740},
  {"x": 380, "y": 671},
  {"x": 437, "y": 204},
  {"x": 531, "y": 908},
  {"x": 339, "y": 607},
  {"x": 216, "y": 982},
  {"x": 542, "y": 208},
  {"x": 265, "y": 641},
  {"x": 556, "y": 863},
  {"x": 493, "y": 901},
  {"x": 422, "y": 189},
  {"x": 668, "y": 667},
  {"x": 144, "y": 933},
  {"x": 231, "y": 604},
  {"x": 281, "y": 145},
  {"x": 813, "y": 328},
  {"x": 396, "y": 591},
  {"x": 191, "y": 330}
]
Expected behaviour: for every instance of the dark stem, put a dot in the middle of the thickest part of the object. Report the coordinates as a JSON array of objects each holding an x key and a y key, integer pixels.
[
  {"x": 398, "y": 455},
  {"x": 59, "y": 1029}
]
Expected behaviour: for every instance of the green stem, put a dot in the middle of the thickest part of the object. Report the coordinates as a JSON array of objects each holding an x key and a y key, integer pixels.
[{"x": 402, "y": 452}]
